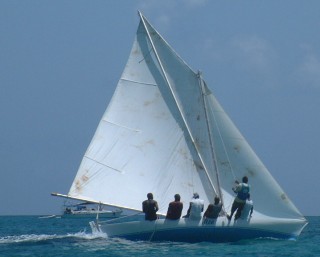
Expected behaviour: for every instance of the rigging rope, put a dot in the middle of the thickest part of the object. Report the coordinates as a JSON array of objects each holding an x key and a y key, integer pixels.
[{"x": 154, "y": 230}]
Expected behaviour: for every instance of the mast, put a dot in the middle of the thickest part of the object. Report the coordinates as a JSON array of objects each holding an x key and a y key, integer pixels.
[
  {"x": 177, "y": 104},
  {"x": 201, "y": 84}
]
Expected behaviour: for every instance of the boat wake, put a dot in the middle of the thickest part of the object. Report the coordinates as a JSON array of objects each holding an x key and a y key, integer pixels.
[{"x": 34, "y": 238}]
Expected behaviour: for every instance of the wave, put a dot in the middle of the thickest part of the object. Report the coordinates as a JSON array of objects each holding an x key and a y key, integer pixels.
[{"x": 38, "y": 238}]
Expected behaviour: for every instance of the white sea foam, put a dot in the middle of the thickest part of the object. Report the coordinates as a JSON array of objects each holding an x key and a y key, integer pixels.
[
  {"x": 27, "y": 238},
  {"x": 44, "y": 237}
]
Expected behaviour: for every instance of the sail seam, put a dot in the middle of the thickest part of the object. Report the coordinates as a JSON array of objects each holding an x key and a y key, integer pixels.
[
  {"x": 139, "y": 82},
  {"x": 85, "y": 156},
  {"x": 121, "y": 126}
]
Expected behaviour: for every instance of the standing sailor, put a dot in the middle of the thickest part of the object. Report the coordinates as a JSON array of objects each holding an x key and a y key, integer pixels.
[{"x": 242, "y": 190}]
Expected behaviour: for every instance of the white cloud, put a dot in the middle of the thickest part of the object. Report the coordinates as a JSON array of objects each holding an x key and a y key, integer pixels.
[
  {"x": 195, "y": 3},
  {"x": 310, "y": 70},
  {"x": 251, "y": 59},
  {"x": 155, "y": 5},
  {"x": 171, "y": 4},
  {"x": 164, "y": 20},
  {"x": 253, "y": 53},
  {"x": 162, "y": 12}
]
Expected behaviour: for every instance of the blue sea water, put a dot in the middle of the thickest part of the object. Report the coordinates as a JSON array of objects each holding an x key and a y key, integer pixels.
[{"x": 37, "y": 236}]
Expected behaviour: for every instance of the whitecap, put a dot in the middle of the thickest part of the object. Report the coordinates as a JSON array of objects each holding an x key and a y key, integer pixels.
[{"x": 44, "y": 237}]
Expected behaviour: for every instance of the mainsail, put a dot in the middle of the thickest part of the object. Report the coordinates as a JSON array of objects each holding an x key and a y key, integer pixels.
[{"x": 164, "y": 132}]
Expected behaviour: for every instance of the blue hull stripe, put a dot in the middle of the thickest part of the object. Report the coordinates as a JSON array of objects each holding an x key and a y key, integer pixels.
[{"x": 205, "y": 234}]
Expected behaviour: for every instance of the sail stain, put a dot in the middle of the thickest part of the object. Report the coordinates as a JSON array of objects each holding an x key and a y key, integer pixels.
[
  {"x": 78, "y": 186},
  {"x": 132, "y": 74},
  {"x": 237, "y": 148},
  {"x": 79, "y": 182},
  {"x": 136, "y": 51},
  {"x": 183, "y": 152},
  {"x": 84, "y": 178},
  {"x": 198, "y": 165},
  {"x": 251, "y": 172},
  {"x": 189, "y": 185},
  {"x": 162, "y": 115},
  {"x": 149, "y": 102},
  {"x": 225, "y": 163},
  {"x": 141, "y": 146},
  {"x": 146, "y": 103},
  {"x": 283, "y": 196},
  {"x": 150, "y": 142}
]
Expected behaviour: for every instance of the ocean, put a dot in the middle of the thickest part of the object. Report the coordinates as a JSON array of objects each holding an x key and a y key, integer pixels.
[{"x": 64, "y": 237}]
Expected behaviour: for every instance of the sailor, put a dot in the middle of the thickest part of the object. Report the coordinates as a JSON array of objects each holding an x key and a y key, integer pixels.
[
  {"x": 247, "y": 209},
  {"x": 195, "y": 208},
  {"x": 175, "y": 208},
  {"x": 213, "y": 210},
  {"x": 242, "y": 190},
  {"x": 150, "y": 208}
]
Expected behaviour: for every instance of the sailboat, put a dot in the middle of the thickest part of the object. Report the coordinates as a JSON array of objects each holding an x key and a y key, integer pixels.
[
  {"x": 165, "y": 132},
  {"x": 85, "y": 209}
]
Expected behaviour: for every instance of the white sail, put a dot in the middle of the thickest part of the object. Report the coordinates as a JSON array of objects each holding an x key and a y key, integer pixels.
[
  {"x": 142, "y": 144},
  {"x": 236, "y": 159},
  {"x": 164, "y": 132}
]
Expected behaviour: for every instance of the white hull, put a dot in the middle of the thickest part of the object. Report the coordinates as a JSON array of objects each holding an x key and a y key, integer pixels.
[
  {"x": 186, "y": 230},
  {"x": 93, "y": 214}
]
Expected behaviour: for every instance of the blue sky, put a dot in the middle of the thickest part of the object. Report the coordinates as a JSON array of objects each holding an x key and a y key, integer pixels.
[{"x": 61, "y": 60}]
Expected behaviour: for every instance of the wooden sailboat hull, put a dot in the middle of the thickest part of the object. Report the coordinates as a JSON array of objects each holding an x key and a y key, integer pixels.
[{"x": 192, "y": 231}]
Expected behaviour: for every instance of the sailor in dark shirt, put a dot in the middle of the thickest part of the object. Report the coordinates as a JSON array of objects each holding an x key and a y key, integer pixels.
[
  {"x": 213, "y": 210},
  {"x": 175, "y": 208},
  {"x": 150, "y": 208}
]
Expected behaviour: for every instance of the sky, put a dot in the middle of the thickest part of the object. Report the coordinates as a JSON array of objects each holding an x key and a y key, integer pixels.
[{"x": 60, "y": 62}]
